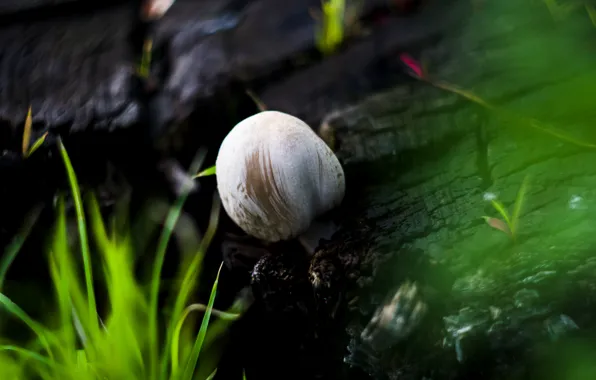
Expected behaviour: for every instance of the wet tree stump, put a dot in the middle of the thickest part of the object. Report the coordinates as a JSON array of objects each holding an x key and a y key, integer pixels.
[{"x": 422, "y": 164}]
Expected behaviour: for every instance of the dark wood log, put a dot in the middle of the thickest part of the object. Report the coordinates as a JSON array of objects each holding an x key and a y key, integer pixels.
[{"x": 422, "y": 163}]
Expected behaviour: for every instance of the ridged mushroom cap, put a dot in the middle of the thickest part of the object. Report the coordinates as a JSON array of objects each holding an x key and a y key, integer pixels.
[{"x": 275, "y": 175}]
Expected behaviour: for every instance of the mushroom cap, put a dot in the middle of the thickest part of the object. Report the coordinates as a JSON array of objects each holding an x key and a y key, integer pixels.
[{"x": 275, "y": 175}]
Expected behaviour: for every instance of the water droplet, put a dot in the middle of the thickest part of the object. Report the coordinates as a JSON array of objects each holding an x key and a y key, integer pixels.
[
  {"x": 489, "y": 196},
  {"x": 576, "y": 203}
]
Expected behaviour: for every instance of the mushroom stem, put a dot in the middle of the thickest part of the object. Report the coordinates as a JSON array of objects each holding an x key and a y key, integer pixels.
[{"x": 319, "y": 229}]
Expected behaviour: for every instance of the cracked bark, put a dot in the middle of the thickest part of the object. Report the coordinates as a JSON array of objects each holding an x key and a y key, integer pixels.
[{"x": 419, "y": 162}]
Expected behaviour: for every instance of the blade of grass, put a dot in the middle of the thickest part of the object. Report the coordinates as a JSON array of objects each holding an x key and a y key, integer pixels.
[
  {"x": 37, "y": 143},
  {"x": 79, "y": 327},
  {"x": 17, "y": 242},
  {"x": 519, "y": 200},
  {"x": 501, "y": 210},
  {"x": 38, "y": 329},
  {"x": 212, "y": 375},
  {"x": 190, "y": 277},
  {"x": 27, "y": 133},
  {"x": 196, "y": 350},
  {"x": 30, "y": 354},
  {"x": 164, "y": 239},
  {"x": 532, "y": 123},
  {"x": 61, "y": 286},
  {"x": 124, "y": 294},
  {"x": 82, "y": 227},
  {"x": 59, "y": 259},
  {"x": 97, "y": 224},
  {"x": 207, "y": 172},
  {"x": 145, "y": 65},
  {"x": 331, "y": 30},
  {"x": 242, "y": 302},
  {"x": 82, "y": 359},
  {"x": 176, "y": 336}
]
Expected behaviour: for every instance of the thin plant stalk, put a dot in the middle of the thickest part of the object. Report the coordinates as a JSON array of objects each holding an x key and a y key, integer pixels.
[
  {"x": 189, "y": 277},
  {"x": 164, "y": 239},
  {"x": 76, "y": 194},
  {"x": 196, "y": 350},
  {"x": 176, "y": 336},
  {"x": 17, "y": 242}
]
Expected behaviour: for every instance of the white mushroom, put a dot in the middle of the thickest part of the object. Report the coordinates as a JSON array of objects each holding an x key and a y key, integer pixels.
[{"x": 275, "y": 175}]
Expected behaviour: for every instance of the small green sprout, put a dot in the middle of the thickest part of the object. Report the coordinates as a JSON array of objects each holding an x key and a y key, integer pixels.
[
  {"x": 145, "y": 66},
  {"x": 331, "y": 32},
  {"x": 37, "y": 144},
  {"x": 205, "y": 173},
  {"x": 26, "y": 150},
  {"x": 27, "y": 132},
  {"x": 510, "y": 222}
]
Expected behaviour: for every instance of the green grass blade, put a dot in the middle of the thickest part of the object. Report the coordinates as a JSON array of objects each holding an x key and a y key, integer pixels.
[
  {"x": 128, "y": 315},
  {"x": 218, "y": 327},
  {"x": 61, "y": 285},
  {"x": 164, "y": 239},
  {"x": 27, "y": 133},
  {"x": 243, "y": 374},
  {"x": 212, "y": 375},
  {"x": 176, "y": 337},
  {"x": 97, "y": 225},
  {"x": 189, "y": 276},
  {"x": 156, "y": 278},
  {"x": 519, "y": 201},
  {"x": 532, "y": 123},
  {"x": 37, "y": 144},
  {"x": 207, "y": 172},
  {"x": 331, "y": 31},
  {"x": 29, "y": 354},
  {"x": 76, "y": 194},
  {"x": 39, "y": 330},
  {"x": 144, "y": 67},
  {"x": 502, "y": 211},
  {"x": 81, "y": 359},
  {"x": 196, "y": 350},
  {"x": 69, "y": 292},
  {"x": 17, "y": 242}
]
